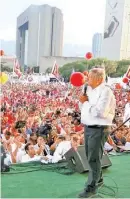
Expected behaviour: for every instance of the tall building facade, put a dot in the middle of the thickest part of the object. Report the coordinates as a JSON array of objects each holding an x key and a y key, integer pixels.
[
  {"x": 97, "y": 45},
  {"x": 116, "y": 40},
  {"x": 39, "y": 33}
]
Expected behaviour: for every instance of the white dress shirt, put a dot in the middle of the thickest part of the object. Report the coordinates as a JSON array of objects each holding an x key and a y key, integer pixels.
[
  {"x": 100, "y": 107},
  {"x": 59, "y": 153}
]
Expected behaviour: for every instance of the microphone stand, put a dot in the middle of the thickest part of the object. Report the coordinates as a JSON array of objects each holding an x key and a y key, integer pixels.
[{"x": 120, "y": 126}]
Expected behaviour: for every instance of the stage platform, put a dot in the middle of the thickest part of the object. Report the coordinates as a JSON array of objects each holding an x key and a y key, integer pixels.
[{"x": 56, "y": 181}]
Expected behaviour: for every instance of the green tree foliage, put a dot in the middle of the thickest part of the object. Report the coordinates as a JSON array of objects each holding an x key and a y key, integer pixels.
[
  {"x": 113, "y": 68},
  {"x": 48, "y": 70},
  {"x": 6, "y": 68},
  {"x": 122, "y": 67}
]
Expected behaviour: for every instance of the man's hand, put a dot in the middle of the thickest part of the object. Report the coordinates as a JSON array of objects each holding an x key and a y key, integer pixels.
[
  {"x": 83, "y": 98},
  {"x": 9, "y": 148},
  {"x": 18, "y": 144},
  {"x": 42, "y": 147}
]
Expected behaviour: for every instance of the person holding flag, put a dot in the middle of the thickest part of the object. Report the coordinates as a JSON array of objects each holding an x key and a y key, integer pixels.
[
  {"x": 16, "y": 68},
  {"x": 55, "y": 70}
]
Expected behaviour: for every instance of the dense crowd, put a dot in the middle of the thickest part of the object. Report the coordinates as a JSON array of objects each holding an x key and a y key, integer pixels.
[{"x": 41, "y": 122}]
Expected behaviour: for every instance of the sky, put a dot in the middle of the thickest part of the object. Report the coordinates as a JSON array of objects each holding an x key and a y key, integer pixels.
[{"x": 82, "y": 18}]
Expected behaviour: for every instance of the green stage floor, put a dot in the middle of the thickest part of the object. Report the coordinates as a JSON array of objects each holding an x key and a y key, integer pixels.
[{"x": 51, "y": 184}]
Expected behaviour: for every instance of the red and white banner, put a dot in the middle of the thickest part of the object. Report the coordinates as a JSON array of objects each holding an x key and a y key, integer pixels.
[
  {"x": 128, "y": 73},
  {"x": 55, "y": 70},
  {"x": 16, "y": 68}
]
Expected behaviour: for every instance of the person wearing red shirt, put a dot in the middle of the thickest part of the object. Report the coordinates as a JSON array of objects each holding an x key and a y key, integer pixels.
[{"x": 78, "y": 126}]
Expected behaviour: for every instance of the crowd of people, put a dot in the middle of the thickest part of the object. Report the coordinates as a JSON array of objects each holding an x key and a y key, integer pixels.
[{"x": 41, "y": 122}]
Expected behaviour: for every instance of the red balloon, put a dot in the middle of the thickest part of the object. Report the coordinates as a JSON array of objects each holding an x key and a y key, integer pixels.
[
  {"x": 77, "y": 79},
  {"x": 125, "y": 80},
  {"x": 85, "y": 73},
  {"x": 89, "y": 55},
  {"x": 118, "y": 86}
]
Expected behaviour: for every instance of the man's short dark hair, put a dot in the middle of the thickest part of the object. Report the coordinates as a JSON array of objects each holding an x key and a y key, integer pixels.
[
  {"x": 61, "y": 137},
  {"x": 32, "y": 134},
  {"x": 58, "y": 112},
  {"x": 8, "y": 133},
  {"x": 27, "y": 146},
  {"x": 78, "y": 120},
  {"x": 40, "y": 135}
]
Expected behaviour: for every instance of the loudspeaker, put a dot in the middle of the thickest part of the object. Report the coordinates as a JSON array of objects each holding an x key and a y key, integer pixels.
[{"x": 77, "y": 160}]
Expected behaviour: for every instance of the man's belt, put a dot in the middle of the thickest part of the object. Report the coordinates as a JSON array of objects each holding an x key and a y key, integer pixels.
[{"x": 96, "y": 126}]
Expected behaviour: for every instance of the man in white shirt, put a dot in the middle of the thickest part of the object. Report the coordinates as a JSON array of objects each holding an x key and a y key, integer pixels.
[
  {"x": 61, "y": 149},
  {"x": 30, "y": 154},
  {"x": 41, "y": 147},
  {"x": 97, "y": 105}
]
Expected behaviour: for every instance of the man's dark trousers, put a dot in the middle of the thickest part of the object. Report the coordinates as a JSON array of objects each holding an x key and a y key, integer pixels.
[{"x": 95, "y": 138}]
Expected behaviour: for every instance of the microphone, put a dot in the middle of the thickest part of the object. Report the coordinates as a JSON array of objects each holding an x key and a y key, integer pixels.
[{"x": 85, "y": 89}]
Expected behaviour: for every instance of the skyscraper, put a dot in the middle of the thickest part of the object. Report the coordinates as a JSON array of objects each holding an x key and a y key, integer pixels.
[
  {"x": 97, "y": 45},
  {"x": 39, "y": 33},
  {"x": 116, "y": 40}
]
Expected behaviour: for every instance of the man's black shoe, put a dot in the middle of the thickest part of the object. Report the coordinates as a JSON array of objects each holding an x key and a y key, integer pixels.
[
  {"x": 87, "y": 194},
  {"x": 100, "y": 182}
]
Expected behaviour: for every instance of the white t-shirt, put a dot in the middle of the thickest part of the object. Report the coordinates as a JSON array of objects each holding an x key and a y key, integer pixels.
[
  {"x": 21, "y": 152},
  {"x": 27, "y": 158},
  {"x": 59, "y": 153}
]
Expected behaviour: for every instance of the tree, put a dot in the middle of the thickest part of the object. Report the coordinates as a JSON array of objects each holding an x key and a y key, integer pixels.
[
  {"x": 110, "y": 66},
  {"x": 48, "y": 70},
  {"x": 6, "y": 68},
  {"x": 122, "y": 67}
]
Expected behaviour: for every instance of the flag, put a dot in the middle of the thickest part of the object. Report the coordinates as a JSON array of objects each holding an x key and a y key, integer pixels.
[
  {"x": 16, "y": 68},
  {"x": 128, "y": 73},
  {"x": 55, "y": 70}
]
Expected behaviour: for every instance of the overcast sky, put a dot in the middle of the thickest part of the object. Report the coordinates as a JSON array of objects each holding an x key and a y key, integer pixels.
[{"x": 82, "y": 18}]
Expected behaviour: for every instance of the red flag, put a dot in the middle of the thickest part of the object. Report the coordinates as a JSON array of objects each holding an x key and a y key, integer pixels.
[
  {"x": 128, "y": 73},
  {"x": 17, "y": 68},
  {"x": 55, "y": 70}
]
